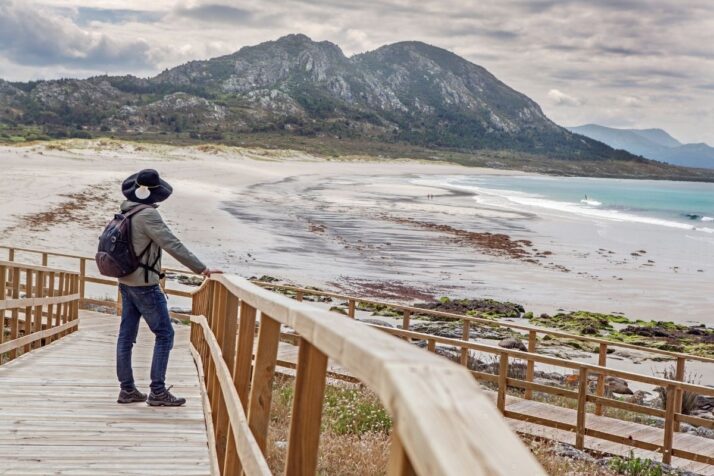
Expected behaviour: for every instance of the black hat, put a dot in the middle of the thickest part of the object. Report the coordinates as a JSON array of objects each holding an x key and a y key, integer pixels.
[{"x": 146, "y": 187}]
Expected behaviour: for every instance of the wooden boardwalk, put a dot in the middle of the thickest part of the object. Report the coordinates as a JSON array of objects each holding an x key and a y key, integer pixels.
[
  {"x": 58, "y": 410},
  {"x": 683, "y": 441}
]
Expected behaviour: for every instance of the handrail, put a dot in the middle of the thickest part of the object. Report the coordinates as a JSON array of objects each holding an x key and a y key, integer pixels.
[
  {"x": 451, "y": 429},
  {"x": 50, "y": 306}
]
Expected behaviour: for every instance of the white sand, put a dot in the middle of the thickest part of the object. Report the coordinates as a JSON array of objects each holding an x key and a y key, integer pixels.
[{"x": 256, "y": 212}]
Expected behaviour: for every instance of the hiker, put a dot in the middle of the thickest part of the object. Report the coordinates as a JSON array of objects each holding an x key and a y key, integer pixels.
[{"x": 140, "y": 291}]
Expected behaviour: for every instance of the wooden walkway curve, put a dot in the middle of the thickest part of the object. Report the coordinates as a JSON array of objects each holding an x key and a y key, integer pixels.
[{"x": 58, "y": 410}]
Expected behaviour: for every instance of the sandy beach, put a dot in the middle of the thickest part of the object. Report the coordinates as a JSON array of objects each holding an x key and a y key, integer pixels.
[{"x": 361, "y": 226}]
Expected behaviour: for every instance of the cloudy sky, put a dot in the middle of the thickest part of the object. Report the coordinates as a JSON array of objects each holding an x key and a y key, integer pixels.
[{"x": 622, "y": 63}]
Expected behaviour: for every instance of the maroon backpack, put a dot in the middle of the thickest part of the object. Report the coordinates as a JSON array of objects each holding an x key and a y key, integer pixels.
[{"x": 116, "y": 257}]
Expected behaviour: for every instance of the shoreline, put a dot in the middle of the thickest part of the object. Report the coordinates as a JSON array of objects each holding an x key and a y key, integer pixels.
[{"x": 322, "y": 222}]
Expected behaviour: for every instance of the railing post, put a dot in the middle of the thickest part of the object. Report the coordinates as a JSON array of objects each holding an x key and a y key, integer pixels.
[
  {"x": 582, "y": 401},
  {"x": 29, "y": 274},
  {"x": 431, "y": 345},
  {"x": 45, "y": 259},
  {"x": 3, "y": 295},
  {"x": 15, "y": 314},
  {"x": 351, "y": 308},
  {"x": 82, "y": 275},
  {"x": 39, "y": 292},
  {"x": 50, "y": 307},
  {"x": 530, "y": 366},
  {"x": 465, "y": 334},
  {"x": 306, "y": 416},
  {"x": 502, "y": 382},
  {"x": 299, "y": 295},
  {"x": 678, "y": 393},
  {"x": 406, "y": 318},
  {"x": 399, "y": 464},
  {"x": 11, "y": 254},
  {"x": 668, "y": 426},
  {"x": 261, "y": 388},
  {"x": 600, "y": 391}
]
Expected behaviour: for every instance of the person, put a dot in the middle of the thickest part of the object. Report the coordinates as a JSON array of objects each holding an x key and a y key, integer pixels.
[{"x": 141, "y": 294}]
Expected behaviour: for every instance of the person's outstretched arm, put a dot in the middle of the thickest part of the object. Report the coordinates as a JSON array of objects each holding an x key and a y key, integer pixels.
[{"x": 162, "y": 235}]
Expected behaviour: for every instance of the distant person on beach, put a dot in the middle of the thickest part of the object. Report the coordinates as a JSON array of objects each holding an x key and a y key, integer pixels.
[{"x": 140, "y": 291}]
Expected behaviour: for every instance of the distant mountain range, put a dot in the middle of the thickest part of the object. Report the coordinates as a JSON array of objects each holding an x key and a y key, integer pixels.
[
  {"x": 654, "y": 144},
  {"x": 408, "y": 92}
]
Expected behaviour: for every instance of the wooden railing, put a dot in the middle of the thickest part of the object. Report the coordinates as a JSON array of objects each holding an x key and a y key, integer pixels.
[
  {"x": 583, "y": 395},
  {"x": 450, "y": 429},
  {"x": 80, "y": 263},
  {"x": 603, "y": 345},
  {"x": 202, "y": 305},
  {"x": 38, "y": 302}
]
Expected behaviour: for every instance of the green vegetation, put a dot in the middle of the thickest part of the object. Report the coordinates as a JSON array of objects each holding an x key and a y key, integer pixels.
[{"x": 635, "y": 466}]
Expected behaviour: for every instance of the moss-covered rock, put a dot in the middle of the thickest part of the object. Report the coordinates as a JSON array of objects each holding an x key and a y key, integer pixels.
[{"x": 580, "y": 322}]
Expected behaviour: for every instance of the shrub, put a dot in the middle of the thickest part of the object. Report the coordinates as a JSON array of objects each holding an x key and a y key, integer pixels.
[{"x": 633, "y": 466}]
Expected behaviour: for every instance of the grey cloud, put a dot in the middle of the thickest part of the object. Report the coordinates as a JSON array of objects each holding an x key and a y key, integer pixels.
[
  {"x": 32, "y": 37},
  {"x": 212, "y": 12}
]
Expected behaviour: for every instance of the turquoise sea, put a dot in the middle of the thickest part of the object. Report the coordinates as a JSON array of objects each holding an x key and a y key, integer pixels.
[{"x": 685, "y": 205}]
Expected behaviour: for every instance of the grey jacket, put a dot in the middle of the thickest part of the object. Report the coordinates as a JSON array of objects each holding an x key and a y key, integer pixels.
[{"x": 147, "y": 226}]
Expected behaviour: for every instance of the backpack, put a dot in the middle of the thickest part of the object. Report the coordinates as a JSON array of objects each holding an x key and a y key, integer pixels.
[{"x": 115, "y": 256}]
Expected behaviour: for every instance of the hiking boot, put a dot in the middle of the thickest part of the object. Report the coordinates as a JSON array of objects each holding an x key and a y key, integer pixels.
[
  {"x": 131, "y": 396},
  {"x": 164, "y": 399}
]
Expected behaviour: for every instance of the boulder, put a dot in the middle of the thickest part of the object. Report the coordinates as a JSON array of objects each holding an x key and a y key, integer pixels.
[{"x": 513, "y": 343}]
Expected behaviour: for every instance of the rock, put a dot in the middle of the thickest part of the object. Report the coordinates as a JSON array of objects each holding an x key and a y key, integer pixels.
[
  {"x": 617, "y": 385},
  {"x": 569, "y": 451},
  {"x": 513, "y": 343}
]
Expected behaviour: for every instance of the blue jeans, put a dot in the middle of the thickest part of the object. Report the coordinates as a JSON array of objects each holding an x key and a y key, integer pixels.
[{"x": 150, "y": 302}]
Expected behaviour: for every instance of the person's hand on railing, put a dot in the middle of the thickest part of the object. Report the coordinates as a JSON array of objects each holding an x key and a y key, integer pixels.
[{"x": 208, "y": 272}]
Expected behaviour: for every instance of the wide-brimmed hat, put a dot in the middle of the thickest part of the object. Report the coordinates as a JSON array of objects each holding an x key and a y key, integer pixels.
[{"x": 146, "y": 187}]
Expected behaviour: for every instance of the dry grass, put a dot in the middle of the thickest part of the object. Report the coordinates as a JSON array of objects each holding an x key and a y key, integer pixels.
[{"x": 355, "y": 430}]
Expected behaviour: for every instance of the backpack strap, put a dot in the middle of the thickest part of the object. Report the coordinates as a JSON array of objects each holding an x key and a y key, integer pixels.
[{"x": 146, "y": 266}]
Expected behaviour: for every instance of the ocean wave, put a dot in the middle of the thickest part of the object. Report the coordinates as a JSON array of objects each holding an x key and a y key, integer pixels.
[
  {"x": 591, "y": 202},
  {"x": 502, "y": 198}
]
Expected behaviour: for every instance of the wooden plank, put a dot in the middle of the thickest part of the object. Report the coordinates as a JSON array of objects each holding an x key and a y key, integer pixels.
[
  {"x": 26, "y": 340},
  {"x": 668, "y": 426},
  {"x": 530, "y": 366},
  {"x": 600, "y": 389},
  {"x": 3, "y": 296},
  {"x": 306, "y": 415},
  {"x": 39, "y": 292},
  {"x": 50, "y": 292},
  {"x": 633, "y": 407},
  {"x": 244, "y": 355},
  {"x": 14, "y": 316},
  {"x": 502, "y": 382},
  {"x": 678, "y": 394},
  {"x": 581, "y": 414},
  {"x": 465, "y": 332},
  {"x": 29, "y": 275},
  {"x": 261, "y": 390},
  {"x": 399, "y": 464}
]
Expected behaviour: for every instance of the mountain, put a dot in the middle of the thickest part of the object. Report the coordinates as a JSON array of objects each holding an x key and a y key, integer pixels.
[
  {"x": 654, "y": 144},
  {"x": 405, "y": 93}
]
